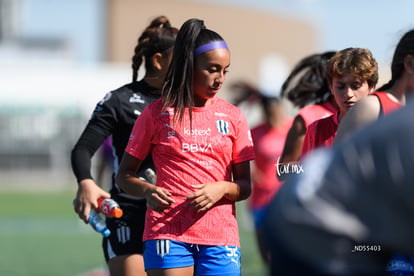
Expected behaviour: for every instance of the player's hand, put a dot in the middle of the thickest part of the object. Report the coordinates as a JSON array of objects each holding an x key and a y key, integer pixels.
[
  {"x": 158, "y": 199},
  {"x": 87, "y": 198},
  {"x": 206, "y": 195}
]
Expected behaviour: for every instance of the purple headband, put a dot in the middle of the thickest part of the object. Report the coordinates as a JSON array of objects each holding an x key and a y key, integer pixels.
[{"x": 210, "y": 46}]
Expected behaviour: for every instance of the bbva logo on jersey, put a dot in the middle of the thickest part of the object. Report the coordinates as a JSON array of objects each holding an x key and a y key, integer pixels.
[{"x": 223, "y": 127}]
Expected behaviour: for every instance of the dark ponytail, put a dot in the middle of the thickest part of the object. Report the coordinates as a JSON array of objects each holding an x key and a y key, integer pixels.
[
  {"x": 307, "y": 83},
  {"x": 158, "y": 37},
  {"x": 404, "y": 47}
]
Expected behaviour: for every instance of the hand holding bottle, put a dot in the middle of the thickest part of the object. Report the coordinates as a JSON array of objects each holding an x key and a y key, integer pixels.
[
  {"x": 109, "y": 207},
  {"x": 97, "y": 222}
]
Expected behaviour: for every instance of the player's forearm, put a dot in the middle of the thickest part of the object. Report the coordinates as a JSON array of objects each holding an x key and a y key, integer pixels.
[
  {"x": 238, "y": 190},
  {"x": 132, "y": 185}
]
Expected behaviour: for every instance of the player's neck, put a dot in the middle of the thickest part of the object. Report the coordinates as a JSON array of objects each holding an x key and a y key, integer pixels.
[{"x": 154, "y": 81}]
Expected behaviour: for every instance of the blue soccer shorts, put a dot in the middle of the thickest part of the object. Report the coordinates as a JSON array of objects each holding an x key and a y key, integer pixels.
[{"x": 206, "y": 259}]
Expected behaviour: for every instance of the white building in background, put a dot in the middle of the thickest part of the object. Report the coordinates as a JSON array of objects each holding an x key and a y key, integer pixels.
[
  {"x": 43, "y": 109},
  {"x": 58, "y": 58},
  {"x": 52, "y": 73}
]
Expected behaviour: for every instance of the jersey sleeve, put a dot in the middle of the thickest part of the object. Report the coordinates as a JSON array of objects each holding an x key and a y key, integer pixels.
[
  {"x": 140, "y": 140},
  {"x": 105, "y": 115},
  {"x": 99, "y": 126},
  {"x": 243, "y": 145},
  {"x": 81, "y": 155}
]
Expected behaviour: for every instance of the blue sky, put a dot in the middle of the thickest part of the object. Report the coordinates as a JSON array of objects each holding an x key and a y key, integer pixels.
[{"x": 373, "y": 24}]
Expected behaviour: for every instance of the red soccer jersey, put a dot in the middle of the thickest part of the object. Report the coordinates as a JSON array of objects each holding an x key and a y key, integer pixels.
[
  {"x": 387, "y": 104},
  {"x": 311, "y": 113},
  {"x": 268, "y": 147},
  {"x": 185, "y": 156},
  {"x": 320, "y": 133}
]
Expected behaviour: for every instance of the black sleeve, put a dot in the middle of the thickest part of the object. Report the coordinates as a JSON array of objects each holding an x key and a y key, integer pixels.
[{"x": 82, "y": 153}]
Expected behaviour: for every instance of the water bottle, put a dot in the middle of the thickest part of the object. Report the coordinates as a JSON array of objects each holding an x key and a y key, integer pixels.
[
  {"x": 109, "y": 207},
  {"x": 151, "y": 176},
  {"x": 98, "y": 223}
]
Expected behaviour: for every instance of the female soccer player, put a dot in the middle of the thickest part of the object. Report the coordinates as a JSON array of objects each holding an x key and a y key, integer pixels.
[
  {"x": 352, "y": 74},
  {"x": 390, "y": 96},
  {"x": 115, "y": 115},
  {"x": 307, "y": 88},
  {"x": 201, "y": 146}
]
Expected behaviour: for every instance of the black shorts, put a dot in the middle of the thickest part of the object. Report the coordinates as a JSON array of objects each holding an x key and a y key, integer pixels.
[{"x": 127, "y": 231}]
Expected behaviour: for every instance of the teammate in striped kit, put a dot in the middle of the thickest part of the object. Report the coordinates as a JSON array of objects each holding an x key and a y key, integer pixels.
[{"x": 201, "y": 147}]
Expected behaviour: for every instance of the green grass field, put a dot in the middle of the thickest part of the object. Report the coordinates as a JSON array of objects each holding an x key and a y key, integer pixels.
[{"x": 41, "y": 235}]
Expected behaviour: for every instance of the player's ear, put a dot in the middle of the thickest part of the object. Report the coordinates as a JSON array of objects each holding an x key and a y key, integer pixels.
[{"x": 157, "y": 61}]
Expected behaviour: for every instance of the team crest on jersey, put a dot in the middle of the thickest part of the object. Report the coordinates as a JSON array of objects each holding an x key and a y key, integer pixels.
[
  {"x": 105, "y": 98},
  {"x": 222, "y": 127}
]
